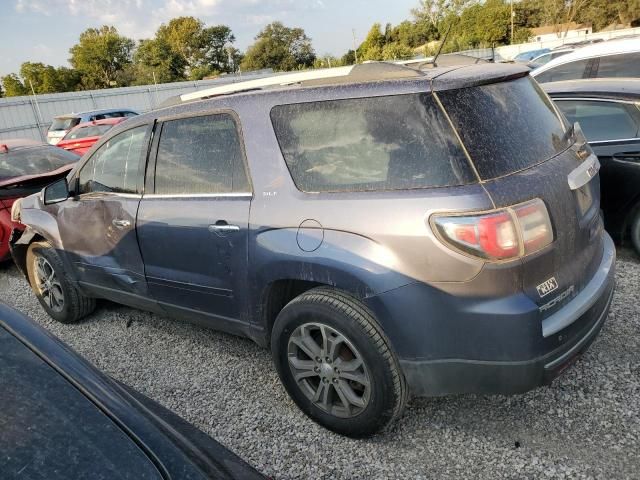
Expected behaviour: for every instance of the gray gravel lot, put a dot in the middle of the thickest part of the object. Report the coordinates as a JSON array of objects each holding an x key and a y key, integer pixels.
[{"x": 586, "y": 425}]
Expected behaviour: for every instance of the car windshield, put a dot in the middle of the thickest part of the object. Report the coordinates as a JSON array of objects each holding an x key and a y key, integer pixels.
[
  {"x": 63, "y": 123},
  {"x": 507, "y": 126},
  {"x": 88, "y": 131},
  {"x": 33, "y": 161}
]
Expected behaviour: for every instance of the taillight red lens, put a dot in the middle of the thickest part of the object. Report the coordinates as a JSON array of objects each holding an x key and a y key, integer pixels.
[{"x": 501, "y": 235}]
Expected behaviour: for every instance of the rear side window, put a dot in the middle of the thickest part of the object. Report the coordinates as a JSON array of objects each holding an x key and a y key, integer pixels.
[
  {"x": 114, "y": 167},
  {"x": 602, "y": 120},
  {"x": 376, "y": 143},
  {"x": 506, "y": 127},
  {"x": 200, "y": 155},
  {"x": 566, "y": 71},
  {"x": 625, "y": 65}
]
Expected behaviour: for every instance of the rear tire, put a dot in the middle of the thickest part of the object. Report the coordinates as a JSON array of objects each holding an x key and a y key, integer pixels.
[
  {"x": 55, "y": 292},
  {"x": 635, "y": 231},
  {"x": 336, "y": 363}
]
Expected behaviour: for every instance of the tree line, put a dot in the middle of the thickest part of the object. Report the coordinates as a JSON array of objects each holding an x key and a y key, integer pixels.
[{"x": 187, "y": 49}]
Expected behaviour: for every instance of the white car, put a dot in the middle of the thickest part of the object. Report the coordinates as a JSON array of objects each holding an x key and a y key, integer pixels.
[
  {"x": 616, "y": 58},
  {"x": 545, "y": 58}
]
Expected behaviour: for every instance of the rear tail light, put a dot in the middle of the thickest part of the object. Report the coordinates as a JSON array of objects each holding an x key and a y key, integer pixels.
[{"x": 503, "y": 234}]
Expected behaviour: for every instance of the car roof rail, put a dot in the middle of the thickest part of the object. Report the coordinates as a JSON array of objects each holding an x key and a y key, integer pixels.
[{"x": 351, "y": 74}]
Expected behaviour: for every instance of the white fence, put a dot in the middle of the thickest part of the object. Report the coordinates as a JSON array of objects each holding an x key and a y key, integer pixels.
[
  {"x": 507, "y": 52},
  {"x": 30, "y": 116}
]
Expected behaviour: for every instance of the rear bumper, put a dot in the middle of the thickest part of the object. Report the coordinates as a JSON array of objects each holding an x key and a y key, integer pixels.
[{"x": 526, "y": 352}]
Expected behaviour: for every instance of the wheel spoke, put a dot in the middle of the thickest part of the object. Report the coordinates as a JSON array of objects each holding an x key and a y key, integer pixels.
[
  {"x": 349, "y": 394},
  {"x": 360, "y": 378},
  {"x": 56, "y": 291},
  {"x": 334, "y": 343},
  {"x": 343, "y": 398},
  {"x": 302, "y": 368},
  {"x": 307, "y": 345},
  {"x": 322, "y": 395},
  {"x": 349, "y": 365},
  {"x": 40, "y": 272}
]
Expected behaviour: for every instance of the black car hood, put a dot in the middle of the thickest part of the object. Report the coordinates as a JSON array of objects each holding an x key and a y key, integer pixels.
[
  {"x": 50, "y": 430},
  {"x": 61, "y": 418}
]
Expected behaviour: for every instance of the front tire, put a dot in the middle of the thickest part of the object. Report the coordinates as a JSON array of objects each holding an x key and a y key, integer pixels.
[
  {"x": 55, "y": 292},
  {"x": 336, "y": 363}
]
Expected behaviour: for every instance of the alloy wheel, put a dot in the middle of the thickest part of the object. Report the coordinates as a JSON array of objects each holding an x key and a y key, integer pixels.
[
  {"x": 49, "y": 285},
  {"x": 329, "y": 370}
]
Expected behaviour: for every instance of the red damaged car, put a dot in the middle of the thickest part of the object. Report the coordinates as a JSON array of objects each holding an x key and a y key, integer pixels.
[
  {"x": 82, "y": 137},
  {"x": 26, "y": 166}
]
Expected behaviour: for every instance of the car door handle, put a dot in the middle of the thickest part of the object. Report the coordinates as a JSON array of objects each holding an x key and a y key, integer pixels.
[
  {"x": 220, "y": 227},
  {"x": 121, "y": 223}
]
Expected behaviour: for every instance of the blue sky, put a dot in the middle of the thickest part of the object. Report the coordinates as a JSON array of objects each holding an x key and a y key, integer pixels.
[{"x": 44, "y": 30}]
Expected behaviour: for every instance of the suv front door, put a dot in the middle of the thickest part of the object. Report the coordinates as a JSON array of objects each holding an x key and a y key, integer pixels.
[
  {"x": 193, "y": 225},
  {"x": 97, "y": 226}
]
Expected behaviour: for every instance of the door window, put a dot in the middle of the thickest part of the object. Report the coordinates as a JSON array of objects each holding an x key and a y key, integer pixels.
[
  {"x": 566, "y": 71},
  {"x": 625, "y": 65},
  {"x": 602, "y": 120},
  {"x": 114, "y": 167},
  {"x": 200, "y": 155}
]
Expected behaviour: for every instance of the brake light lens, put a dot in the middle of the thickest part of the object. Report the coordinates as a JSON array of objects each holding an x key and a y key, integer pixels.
[{"x": 500, "y": 235}]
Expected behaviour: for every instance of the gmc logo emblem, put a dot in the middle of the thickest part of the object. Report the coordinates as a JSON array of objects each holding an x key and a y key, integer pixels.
[{"x": 547, "y": 287}]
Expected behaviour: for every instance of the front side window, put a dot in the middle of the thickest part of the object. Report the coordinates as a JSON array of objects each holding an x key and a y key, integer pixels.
[
  {"x": 114, "y": 167},
  {"x": 377, "y": 143},
  {"x": 566, "y": 71},
  {"x": 603, "y": 120},
  {"x": 200, "y": 155}
]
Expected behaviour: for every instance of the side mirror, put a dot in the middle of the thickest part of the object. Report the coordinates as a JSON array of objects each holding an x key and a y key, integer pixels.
[{"x": 56, "y": 192}]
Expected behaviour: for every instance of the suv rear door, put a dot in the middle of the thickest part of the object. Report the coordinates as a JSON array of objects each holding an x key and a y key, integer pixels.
[{"x": 194, "y": 217}]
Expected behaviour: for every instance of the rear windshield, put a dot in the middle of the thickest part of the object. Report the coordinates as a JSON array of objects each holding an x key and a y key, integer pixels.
[
  {"x": 33, "y": 161},
  {"x": 376, "y": 143},
  {"x": 89, "y": 131},
  {"x": 506, "y": 127},
  {"x": 64, "y": 123}
]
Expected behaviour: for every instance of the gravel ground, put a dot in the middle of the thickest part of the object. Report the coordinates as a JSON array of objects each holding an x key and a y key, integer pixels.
[{"x": 586, "y": 425}]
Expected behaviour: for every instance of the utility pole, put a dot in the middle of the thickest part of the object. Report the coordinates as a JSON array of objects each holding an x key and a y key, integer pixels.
[
  {"x": 512, "y": 15},
  {"x": 355, "y": 49}
]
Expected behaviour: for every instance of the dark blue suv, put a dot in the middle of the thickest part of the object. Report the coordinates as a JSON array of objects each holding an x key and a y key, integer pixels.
[{"x": 387, "y": 231}]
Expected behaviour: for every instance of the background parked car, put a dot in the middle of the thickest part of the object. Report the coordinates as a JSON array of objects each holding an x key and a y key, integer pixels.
[
  {"x": 25, "y": 167},
  {"x": 63, "y": 123},
  {"x": 547, "y": 57},
  {"x": 616, "y": 58},
  {"x": 82, "y": 137},
  {"x": 525, "y": 57},
  {"x": 608, "y": 111},
  {"x": 62, "y": 419}
]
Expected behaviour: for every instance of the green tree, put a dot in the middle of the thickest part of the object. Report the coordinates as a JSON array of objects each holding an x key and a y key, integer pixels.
[
  {"x": 100, "y": 56},
  {"x": 397, "y": 51},
  {"x": 156, "y": 58},
  {"x": 371, "y": 47},
  {"x": 280, "y": 48},
  {"x": 48, "y": 79},
  {"x": 348, "y": 58},
  {"x": 204, "y": 50},
  {"x": 13, "y": 86}
]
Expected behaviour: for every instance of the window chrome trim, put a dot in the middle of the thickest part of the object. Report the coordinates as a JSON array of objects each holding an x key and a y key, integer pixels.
[
  {"x": 614, "y": 140},
  {"x": 199, "y": 195},
  {"x": 590, "y": 99}
]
